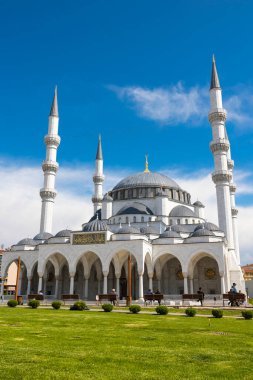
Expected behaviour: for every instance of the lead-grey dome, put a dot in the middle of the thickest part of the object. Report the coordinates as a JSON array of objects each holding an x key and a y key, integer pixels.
[
  {"x": 43, "y": 236},
  {"x": 208, "y": 225},
  {"x": 144, "y": 179},
  {"x": 95, "y": 226},
  {"x": 135, "y": 208},
  {"x": 128, "y": 230},
  {"x": 182, "y": 211},
  {"x": 202, "y": 232},
  {"x": 27, "y": 241},
  {"x": 63, "y": 233},
  {"x": 170, "y": 234}
]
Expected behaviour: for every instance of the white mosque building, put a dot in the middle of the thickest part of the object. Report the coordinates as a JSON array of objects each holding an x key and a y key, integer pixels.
[{"x": 146, "y": 215}]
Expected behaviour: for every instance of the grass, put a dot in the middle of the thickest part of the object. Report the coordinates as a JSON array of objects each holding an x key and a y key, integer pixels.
[{"x": 62, "y": 344}]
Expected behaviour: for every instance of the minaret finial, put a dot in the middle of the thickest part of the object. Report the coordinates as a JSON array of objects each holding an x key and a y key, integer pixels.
[
  {"x": 215, "y": 83},
  {"x": 54, "y": 106},
  {"x": 146, "y": 164},
  {"x": 99, "y": 155}
]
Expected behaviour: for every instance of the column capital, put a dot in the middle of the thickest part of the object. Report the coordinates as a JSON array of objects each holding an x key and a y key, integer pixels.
[
  {"x": 40, "y": 274},
  {"x": 140, "y": 273},
  {"x": 221, "y": 273},
  {"x": 185, "y": 274},
  {"x": 72, "y": 274},
  {"x": 105, "y": 273}
]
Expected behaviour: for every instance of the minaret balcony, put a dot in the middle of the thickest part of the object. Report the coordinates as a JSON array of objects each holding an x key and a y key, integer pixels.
[
  {"x": 221, "y": 145},
  {"x": 50, "y": 166},
  {"x": 96, "y": 199},
  {"x": 221, "y": 176},
  {"x": 47, "y": 194},
  {"x": 234, "y": 211},
  {"x": 230, "y": 164},
  {"x": 232, "y": 188},
  {"x": 218, "y": 114},
  {"x": 98, "y": 178},
  {"x": 52, "y": 140}
]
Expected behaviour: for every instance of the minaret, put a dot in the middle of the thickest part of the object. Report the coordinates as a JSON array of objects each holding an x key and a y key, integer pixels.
[
  {"x": 50, "y": 167},
  {"x": 98, "y": 179},
  {"x": 220, "y": 147}
]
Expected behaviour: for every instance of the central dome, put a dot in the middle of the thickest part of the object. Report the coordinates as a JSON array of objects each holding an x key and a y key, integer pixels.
[{"x": 144, "y": 179}]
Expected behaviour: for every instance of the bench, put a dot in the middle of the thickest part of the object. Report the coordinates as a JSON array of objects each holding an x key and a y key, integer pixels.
[
  {"x": 193, "y": 297},
  {"x": 153, "y": 297},
  {"x": 108, "y": 297},
  {"x": 70, "y": 297},
  {"x": 38, "y": 297},
  {"x": 235, "y": 299}
]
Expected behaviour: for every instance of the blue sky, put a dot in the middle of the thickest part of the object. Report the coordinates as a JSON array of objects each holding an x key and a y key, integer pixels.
[{"x": 137, "y": 72}]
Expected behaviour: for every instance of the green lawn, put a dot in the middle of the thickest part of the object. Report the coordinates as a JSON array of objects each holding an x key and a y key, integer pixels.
[{"x": 62, "y": 344}]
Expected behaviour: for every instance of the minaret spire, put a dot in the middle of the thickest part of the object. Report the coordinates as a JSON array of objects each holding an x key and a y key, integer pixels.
[
  {"x": 50, "y": 167},
  {"x": 215, "y": 83},
  {"x": 146, "y": 164},
  {"x": 98, "y": 178}
]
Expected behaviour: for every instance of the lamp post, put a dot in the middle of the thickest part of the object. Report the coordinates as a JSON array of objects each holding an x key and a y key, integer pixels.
[
  {"x": 129, "y": 281},
  {"x": 17, "y": 278}
]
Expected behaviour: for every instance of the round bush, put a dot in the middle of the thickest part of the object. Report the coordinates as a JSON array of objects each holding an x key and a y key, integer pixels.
[
  {"x": 190, "y": 312},
  {"x": 107, "y": 307},
  {"x": 247, "y": 314},
  {"x": 79, "y": 305},
  {"x": 217, "y": 313},
  {"x": 12, "y": 303},
  {"x": 56, "y": 304},
  {"x": 34, "y": 304},
  {"x": 162, "y": 310},
  {"x": 134, "y": 309}
]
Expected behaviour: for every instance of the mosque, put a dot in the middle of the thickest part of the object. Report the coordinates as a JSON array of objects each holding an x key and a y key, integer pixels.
[{"x": 146, "y": 216}]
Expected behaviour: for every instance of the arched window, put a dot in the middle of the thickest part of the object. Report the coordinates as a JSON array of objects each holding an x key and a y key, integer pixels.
[
  {"x": 186, "y": 221},
  {"x": 149, "y": 218},
  {"x": 193, "y": 221},
  {"x": 127, "y": 219},
  {"x": 142, "y": 218},
  {"x": 171, "y": 222},
  {"x": 134, "y": 219},
  {"x": 178, "y": 221}
]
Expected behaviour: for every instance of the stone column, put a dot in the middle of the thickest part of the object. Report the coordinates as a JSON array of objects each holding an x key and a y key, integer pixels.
[
  {"x": 29, "y": 279},
  {"x": 40, "y": 283},
  {"x": 185, "y": 282},
  {"x": 191, "y": 285},
  {"x": 117, "y": 284},
  {"x": 72, "y": 280},
  {"x": 99, "y": 285},
  {"x": 105, "y": 282},
  {"x": 45, "y": 285},
  {"x": 150, "y": 282},
  {"x": 56, "y": 286},
  {"x": 86, "y": 287},
  {"x": 222, "y": 283},
  {"x": 140, "y": 286}
]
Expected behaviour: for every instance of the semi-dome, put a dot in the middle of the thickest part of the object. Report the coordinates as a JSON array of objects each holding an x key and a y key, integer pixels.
[
  {"x": 43, "y": 236},
  {"x": 202, "y": 232},
  {"x": 170, "y": 234},
  {"x": 135, "y": 208},
  {"x": 198, "y": 204},
  {"x": 95, "y": 226},
  {"x": 128, "y": 230},
  {"x": 182, "y": 211},
  {"x": 97, "y": 215},
  {"x": 63, "y": 233},
  {"x": 146, "y": 179},
  {"x": 208, "y": 225},
  {"x": 27, "y": 241},
  {"x": 178, "y": 228},
  {"x": 148, "y": 230}
]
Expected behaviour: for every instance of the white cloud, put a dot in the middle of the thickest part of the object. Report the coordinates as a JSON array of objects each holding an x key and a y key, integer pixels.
[
  {"x": 20, "y": 200},
  {"x": 177, "y": 104}
]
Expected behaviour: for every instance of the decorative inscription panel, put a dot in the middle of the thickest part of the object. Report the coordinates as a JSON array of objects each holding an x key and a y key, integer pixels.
[{"x": 97, "y": 238}]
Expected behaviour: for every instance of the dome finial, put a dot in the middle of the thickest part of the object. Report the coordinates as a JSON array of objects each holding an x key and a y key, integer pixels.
[{"x": 146, "y": 164}]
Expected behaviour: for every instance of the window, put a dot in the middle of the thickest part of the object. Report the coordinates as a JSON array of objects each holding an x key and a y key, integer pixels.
[
  {"x": 186, "y": 221},
  {"x": 127, "y": 219},
  {"x": 171, "y": 222},
  {"x": 142, "y": 218},
  {"x": 193, "y": 221},
  {"x": 178, "y": 221},
  {"x": 149, "y": 218},
  {"x": 134, "y": 219}
]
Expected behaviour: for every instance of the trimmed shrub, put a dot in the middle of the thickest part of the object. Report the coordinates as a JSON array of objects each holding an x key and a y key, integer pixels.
[
  {"x": 12, "y": 303},
  {"x": 190, "y": 312},
  {"x": 162, "y": 310},
  {"x": 247, "y": 314},
  {"x": 135, "y": 309},
  {"x": 107, "y": 307},
  {"x": 79, "y": 305},
  {"x": 217, "y": 313},
  {"x": 34, "y": 304},
  {"x": 56, "y": 305}
]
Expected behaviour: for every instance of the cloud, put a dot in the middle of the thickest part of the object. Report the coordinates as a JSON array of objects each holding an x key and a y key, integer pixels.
[
  {"x": 178, "y": 105},
  {"x": 21, "y": 204}
]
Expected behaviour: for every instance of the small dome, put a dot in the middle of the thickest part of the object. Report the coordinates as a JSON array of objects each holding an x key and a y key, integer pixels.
[
  {"x": 63, "y": 233},
  {"x": 27, "y": 241},
  {"x": 128, "y": 230},
  {"x": 107, "y": 198},
  {"x": 202, "y": 232},
  {"x": 182, "y": 211},
  {"x": 43, "y": 236},
  {"x": 148, "y": 230},
  {"x": 178, "y": 228},
  {"x": 198, "y": 204},
  {"x": 208, "y": 225},
  {"x": 97, "y": 215},
  {"x": 170, "y": 234},
  {"x": 135, "y": 208},
  {"x": 95, "y": 226}
]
